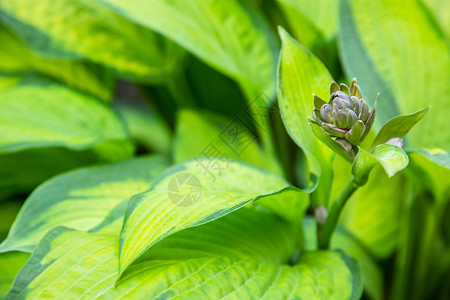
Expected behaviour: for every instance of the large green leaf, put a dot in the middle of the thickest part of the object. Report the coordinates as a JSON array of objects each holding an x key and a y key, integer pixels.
[
  {"x": 187, "y": 195},
  {"x": 86, "y": 29},
  {"x": 300, "y": 74},
  {"x": 80, "y": 199},
  {"x": 46, "y": 128},
  {"x": 411, "y": 62},
  {"x": 37, "y": 114},
  {"x": 209, "y": 134},
  {"x": 228, "y": 35},
  {"x": 10, "y": 264},
  {"x": 230, "y": 257},
  {"x": 16, "y": 58}
]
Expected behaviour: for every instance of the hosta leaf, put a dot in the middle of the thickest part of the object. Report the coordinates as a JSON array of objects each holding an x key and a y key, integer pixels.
[
  {"x": 343, "y": 240},
  {"x": 196, "y": 268},
  {"x": 16, "y": 58},
  {"x": 392, "y": 158},
  {"x": 300, "y": 74},
  {"x": 205, "y": 133},
  {"x": 10, "y": 264},
  {"x": 80, "y": 199},
  {"x": 37, "y": 114},
  {"x": 86, "y": 29},
  {"x": 398, "y": 126},
  {"x": 228, "y": 35},
  {"x": 194, "y": 193},
  {"x": 46, "y": 128},
  {"x": 412, "y": 61}
]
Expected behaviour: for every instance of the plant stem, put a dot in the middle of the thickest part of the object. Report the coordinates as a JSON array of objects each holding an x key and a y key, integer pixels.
[{"x": 333, "y": 216}]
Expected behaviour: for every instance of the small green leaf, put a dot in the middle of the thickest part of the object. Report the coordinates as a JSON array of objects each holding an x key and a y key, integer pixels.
[
  {"x": 80, "y": 199},
  {"x": 362, "y": 165},
  {"x": 392, "y": 158},
  {"x": 204, "y": 189},
  {"x": 300, "y": 74},
  {"x": 398, "y": 126}
]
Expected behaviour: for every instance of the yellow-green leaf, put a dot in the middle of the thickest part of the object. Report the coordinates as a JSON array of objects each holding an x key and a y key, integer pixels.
[
  {"x": 72, "y": 263},
  {"x": 194, "y": 193},
  {"x": 46, "y": 128},
  {"x": 300, "y": 74},
  {"x": 86, "y": 29},
  {"x": 80, "y": 199},
  {"x": 16, "y": 58}
]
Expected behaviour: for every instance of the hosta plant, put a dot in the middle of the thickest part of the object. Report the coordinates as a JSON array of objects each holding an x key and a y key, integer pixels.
[{"x": 195, "y": 149}]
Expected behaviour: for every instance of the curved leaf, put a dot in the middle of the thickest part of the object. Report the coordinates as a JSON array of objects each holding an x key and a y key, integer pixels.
[
  {"x": 227, "y": 35},
  {"x": 46, "y": 129},
  {"x": 398, "y": 126},
  {"x": 37, "y": 114},
  {"x": 300, "y": 74},
  {"x": 200, "y": 271},
  {"x": 16, "y": 58},
  {"x": 80, "y": 199},
  {"x": 187, "y": 196},
  {"x": 392, "y": 158},
  {"x": 86, "y": 29},
  {"x": 412, "y": 61}
]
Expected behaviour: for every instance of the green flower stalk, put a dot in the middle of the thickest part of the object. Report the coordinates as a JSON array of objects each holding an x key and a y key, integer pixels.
[{"x": 346, "y": 118}]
